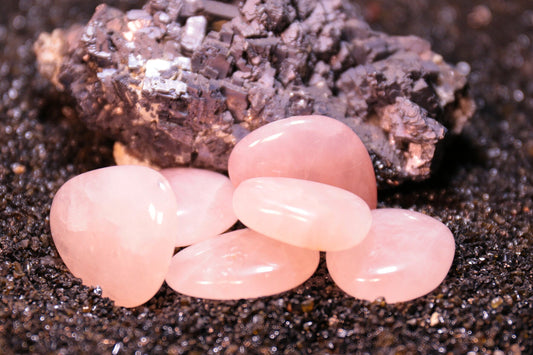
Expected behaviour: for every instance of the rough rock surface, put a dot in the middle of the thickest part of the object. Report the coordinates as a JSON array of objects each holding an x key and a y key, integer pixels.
[{"x": 180, "y": 82}]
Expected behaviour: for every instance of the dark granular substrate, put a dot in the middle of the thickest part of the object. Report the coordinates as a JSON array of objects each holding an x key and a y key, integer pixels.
[{"x": 483, "y": 192}]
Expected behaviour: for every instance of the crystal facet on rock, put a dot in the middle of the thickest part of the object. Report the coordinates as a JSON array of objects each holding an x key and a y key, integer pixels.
[{"x": 173, "y": 94}]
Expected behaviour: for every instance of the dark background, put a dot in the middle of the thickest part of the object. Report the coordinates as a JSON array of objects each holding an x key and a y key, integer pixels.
[{"x": 483, "y": 193}]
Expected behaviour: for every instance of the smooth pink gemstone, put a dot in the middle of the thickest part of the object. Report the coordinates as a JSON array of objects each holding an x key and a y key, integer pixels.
[
  {"x": 303, "y": 213},
  {"x": 315, "y": 148},
  {"x": 114, "y": 228},
  {"x": 204, "y": 203},
  {"x": 240, "y": 264},
  {"x": 405, "y": 255}
]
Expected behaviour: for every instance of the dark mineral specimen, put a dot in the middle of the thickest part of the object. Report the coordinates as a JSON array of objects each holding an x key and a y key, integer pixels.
[{"x": 180, "y": 82}]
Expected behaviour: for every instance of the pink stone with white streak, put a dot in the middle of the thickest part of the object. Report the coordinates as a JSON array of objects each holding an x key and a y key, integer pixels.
[
  {"x": 115, "y": 228},
  {"x": 204, "y": 203},
  {"x": 315, "y": 148},
  {"x": 405, "y": 255},
  {"x": 240, "y": 264},
  {"x": 303, "y": 213}
]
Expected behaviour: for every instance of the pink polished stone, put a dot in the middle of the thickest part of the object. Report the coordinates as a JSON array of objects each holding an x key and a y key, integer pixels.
[
  {"x": 115, "y": 227},
  {"x": 303, "y": 213},
  {"x": 315, "y": 148},
  {"x": 204, "y": 203},
  {"x": 406, "y": 255},
  {"x": 240, "y": 264}
]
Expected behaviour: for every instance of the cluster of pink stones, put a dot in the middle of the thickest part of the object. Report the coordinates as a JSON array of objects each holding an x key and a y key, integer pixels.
[{"x": 301, "y": 185}]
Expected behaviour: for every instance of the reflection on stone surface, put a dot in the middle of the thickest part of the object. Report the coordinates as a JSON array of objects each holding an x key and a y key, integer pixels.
[
  {"x": 240, "y": 264},
  {"x": 315, "y": 148},
  {"x": 405, "y": 255},
  {"x": 204, "y": 203},
  {"x": 304, "y": 213},
  {"x": 115, "y": 228}
]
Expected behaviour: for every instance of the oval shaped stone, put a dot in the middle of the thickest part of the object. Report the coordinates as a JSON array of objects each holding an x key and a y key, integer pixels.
[
  {"x": 315, "y": 148},
  {"x": 405, "y": 255},
  {"x": 204, "y": 203},
  {"x": 115, "y": 228},
  {"x": 303, "y": 213},
  {"x": 240, "y": 264}
]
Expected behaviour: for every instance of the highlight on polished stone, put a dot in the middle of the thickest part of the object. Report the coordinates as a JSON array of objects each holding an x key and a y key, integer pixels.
[
  {"x": 405, "y": 255},
  {"x": 315, "y": 148},
  {"x": 303, "y": 213},
  {"x": 240, "y": 264},
  {"x": 204, "y": 203},
  {"x": 115, "y": 228}
]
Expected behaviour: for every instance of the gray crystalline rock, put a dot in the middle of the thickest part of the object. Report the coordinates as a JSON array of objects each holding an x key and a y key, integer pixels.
[{"x": 179, "y": 82}]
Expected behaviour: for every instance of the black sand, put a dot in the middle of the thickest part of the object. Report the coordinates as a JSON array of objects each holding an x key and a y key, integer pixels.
[{"x": 483, "y": 192}]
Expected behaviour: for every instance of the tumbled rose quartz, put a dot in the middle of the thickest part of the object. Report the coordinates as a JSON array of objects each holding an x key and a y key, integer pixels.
[
  {"x": 204, "y": 203},
  {"x": 303, "y": 213},
  {"x": 240, "y": 264},
  {"x": 316, "y": 148},
  {"x": 115, "y": 228},
  {"x": 405, "y": 255}
]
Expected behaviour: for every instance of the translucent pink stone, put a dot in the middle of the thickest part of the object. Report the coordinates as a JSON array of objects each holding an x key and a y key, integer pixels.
[
  {"x": 115, "y": 228},
  {"x": 405, "y": 255},
  {"x": 240, "y": 264},
  {"x": 303, "y": 213},
  {"x": 204, "y": 203},
  {"x": 316, "y": 148}
]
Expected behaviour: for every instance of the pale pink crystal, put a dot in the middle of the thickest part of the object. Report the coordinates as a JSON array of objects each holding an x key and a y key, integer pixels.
[
  {"x": 316, "y": 148},
  {"x": 405, "y": 255},
  {"x": 240, "y": 264},
  {"x": 303, "y": 213},
  {"x": 204, "y": 203},
  {"x": 115, "y": 228}
]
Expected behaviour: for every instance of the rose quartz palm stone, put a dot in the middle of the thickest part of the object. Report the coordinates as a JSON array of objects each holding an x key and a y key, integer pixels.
[
  {"x": 240, "y": 264},
  {"x": 316, "y": 148},
  {"x": 303, "y": 213},
  {"x": 115, "y": 228},
  {"x": 204, "y": 203},
  {"x": 405, "y": 255}
]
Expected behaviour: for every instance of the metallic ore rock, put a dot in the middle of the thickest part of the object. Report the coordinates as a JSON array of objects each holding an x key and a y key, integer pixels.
[{"x": 180, "y": 82}]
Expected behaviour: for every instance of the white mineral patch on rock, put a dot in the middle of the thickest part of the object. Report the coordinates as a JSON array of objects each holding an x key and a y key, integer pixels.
[{"x": 194, "y": 32}]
